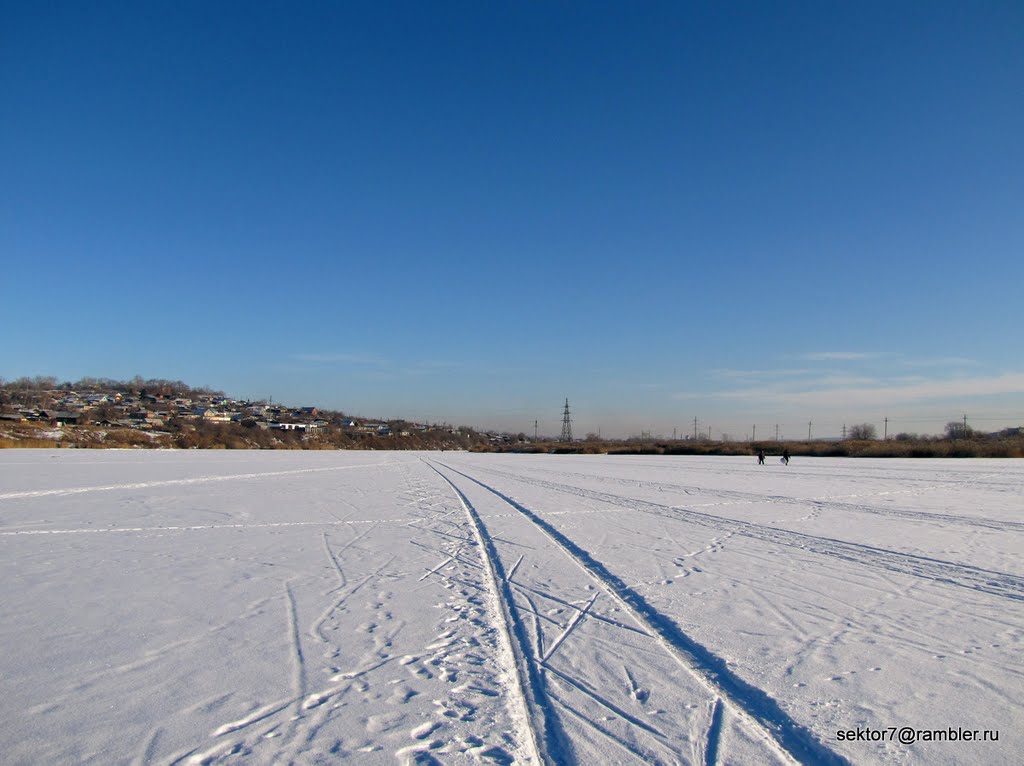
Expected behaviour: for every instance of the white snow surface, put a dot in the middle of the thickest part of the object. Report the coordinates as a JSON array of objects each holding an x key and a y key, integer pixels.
[{"x": 187, "y": 607}]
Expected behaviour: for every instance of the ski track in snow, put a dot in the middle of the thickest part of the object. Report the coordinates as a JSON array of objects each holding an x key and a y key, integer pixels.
[
  {"x": 1002, "y": 584},
  {"x": 737, "y": 498},
  {"x": 454, "y": 608},
  {"x": 753, "y": 704},
  {"x": 175, "y": 482},
  {"x": 519, "y": 702},
  {"x": 202, "y": 527}
]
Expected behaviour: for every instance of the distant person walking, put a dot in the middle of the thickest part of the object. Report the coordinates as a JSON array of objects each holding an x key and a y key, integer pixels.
[
  {"x": 785, "y": 457},
  {"x": 760, "y": 457}
]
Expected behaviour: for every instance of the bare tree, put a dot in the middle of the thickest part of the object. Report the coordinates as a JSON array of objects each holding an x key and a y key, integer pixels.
[
  {"x": 863, "y": 431},
  {"x": 957, "y": 429}
]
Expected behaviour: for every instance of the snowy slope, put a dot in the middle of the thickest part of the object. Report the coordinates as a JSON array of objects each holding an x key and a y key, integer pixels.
[{"x": 278, "y": 607}]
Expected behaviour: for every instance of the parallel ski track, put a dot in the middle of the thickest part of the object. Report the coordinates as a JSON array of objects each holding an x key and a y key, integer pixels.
[
  {"x": 178, "y": 482},
  {"x": 792, "y": 740},
  {"x": 998, "y": 525},
  {"x": 527, "y": 698},
  {"x": 1000, "y": 584},
  {"x": 953, "y": 476},
  {"x": 839, "y": 502}
]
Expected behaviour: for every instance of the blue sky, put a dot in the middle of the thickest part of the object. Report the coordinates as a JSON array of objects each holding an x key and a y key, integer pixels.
[{"x": 747, "y": 213}]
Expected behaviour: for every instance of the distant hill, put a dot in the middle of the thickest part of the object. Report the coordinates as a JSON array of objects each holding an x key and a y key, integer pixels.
[{"x": 157, "y": 413}]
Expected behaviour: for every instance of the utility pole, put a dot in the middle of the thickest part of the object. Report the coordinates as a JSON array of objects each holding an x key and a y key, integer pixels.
[
  {"x": 695, "y": 428},
  {"x": 885, "y": 433}
]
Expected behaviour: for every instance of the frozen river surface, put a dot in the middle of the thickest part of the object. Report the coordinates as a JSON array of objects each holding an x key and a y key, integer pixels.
[{"x": 309, "y": 607}]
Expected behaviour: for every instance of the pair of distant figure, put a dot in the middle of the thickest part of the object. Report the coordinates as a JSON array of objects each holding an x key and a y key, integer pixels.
[{"x": 785, "y": 457}]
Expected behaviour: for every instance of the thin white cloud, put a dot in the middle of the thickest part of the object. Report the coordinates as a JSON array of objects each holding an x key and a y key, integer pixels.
[
  {"x": 378, "y": 368},
  {"x": 691, "y": 395},
  {"x": 823, "y": 396},
  {"x": 947, "y": 361},
  {"x": 430, "y": 367},
  {"x": 847, "y": 380},
  {"x": 845, "y": 356},
  {"x": 638, "y": 384},
  {"x": 761, "y": 374},
  {"x": 340, "y": 357}
]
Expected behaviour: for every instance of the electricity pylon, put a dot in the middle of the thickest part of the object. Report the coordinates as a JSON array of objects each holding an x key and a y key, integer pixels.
[{"x": 566, "y": 424}]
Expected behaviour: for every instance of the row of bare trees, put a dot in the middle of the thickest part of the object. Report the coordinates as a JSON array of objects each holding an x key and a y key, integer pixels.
[
  {"x": 137, "y": 385},
  {"x": 955, "y": 429}
]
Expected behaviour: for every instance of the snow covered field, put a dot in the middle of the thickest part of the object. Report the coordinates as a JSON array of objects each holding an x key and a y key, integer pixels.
[{"x": 304, "y": 607}]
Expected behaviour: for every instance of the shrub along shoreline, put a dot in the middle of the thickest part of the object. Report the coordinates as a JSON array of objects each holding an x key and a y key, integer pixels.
[
  {"x": 1011, "y": 447},
  {"x": 234, "y": 436}
]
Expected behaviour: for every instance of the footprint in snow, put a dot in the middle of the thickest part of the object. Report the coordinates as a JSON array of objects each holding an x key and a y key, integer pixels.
[
  {"x": 493, "y": 754},
  {"x": 419, "y": 756},
  {"x": 401, "y": 695},
  {"x": 425, "y": 730}
]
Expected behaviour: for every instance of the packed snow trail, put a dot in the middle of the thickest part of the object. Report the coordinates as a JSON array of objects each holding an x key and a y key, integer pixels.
[
  {"x": 750, "y": 703},
  {"x": 525, "y": 708}
]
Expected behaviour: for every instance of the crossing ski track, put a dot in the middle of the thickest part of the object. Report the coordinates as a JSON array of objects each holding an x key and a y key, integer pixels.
[
  {"x": 442, "y": 608},
  {"x": 725, "y": 497},
  {"x": 757, "y": 709},
  {"x": 1001, "y": 584},
  {"x": 386, "y": 650},
  {"x": 526, "y": 707}
]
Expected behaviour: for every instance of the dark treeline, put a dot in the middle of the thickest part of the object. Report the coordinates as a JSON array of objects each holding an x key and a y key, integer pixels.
[{"x": 137, "y": 385}]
